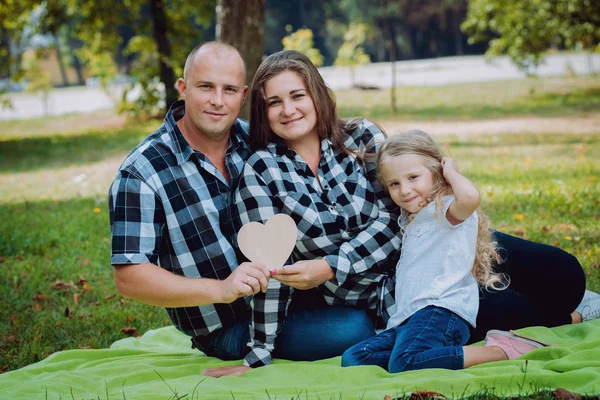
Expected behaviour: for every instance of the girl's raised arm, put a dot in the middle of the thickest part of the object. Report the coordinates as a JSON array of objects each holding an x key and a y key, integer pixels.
[{"x": 466, "y": 195}]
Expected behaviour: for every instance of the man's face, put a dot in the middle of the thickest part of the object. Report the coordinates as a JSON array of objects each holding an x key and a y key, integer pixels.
[{"x": 214, "y": 92}]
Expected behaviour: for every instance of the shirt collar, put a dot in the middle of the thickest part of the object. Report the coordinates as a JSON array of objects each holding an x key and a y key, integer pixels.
[{"x": 278, "y": 147}]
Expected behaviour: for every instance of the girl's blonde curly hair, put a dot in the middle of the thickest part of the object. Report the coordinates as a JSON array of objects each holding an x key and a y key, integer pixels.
[{"x": 421, "y": 144}]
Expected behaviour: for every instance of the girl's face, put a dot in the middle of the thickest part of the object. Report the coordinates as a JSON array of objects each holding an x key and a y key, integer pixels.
[
  {"x": 290, "y": 109},
  {"x": 408, "y": 181}
]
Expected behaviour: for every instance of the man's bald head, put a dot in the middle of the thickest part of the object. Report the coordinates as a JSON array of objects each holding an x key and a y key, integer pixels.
[{"x": 211, "y": 49}]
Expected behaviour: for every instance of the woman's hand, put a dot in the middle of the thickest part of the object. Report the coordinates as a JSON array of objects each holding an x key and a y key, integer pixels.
[{"x": 305, "y": 275}]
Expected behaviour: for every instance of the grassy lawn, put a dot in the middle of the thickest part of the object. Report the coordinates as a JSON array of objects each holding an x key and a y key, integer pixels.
[{"x": 55, "y": 278}]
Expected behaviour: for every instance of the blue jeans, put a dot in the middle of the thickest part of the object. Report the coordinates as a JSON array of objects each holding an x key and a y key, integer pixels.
[
  {"x": 431, "y": 338},
  {"x": 312, "y": 331}
]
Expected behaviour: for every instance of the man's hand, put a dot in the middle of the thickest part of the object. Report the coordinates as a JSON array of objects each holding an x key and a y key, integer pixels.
[
  {"x": 233, "y": 370},
  {"x": 305, "y": 275},
  {"x": 247, "y": 279}
]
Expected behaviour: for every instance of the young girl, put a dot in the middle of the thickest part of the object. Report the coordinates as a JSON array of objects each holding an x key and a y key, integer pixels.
[{"x": 447, "y": 252}]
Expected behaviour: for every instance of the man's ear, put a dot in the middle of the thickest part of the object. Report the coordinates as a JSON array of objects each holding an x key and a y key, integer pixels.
[
  {"x": 245, "y": 94},
  {"x": 181, "y": 87}
]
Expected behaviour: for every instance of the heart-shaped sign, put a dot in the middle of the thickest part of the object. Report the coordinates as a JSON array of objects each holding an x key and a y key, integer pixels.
[{"x": 270, "y": 244}]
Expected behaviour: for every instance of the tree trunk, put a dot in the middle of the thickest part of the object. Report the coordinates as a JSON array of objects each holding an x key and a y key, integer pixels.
[
  {"x": 61, "y": 64},
  {"x": 241, "y": 23},
  {"x": 159, "y": 32},
  {"x": 391, "y": 41}
]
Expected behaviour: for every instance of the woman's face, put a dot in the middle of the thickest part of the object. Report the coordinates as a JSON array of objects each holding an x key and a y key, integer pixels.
[{"x": 290, "y": 109}]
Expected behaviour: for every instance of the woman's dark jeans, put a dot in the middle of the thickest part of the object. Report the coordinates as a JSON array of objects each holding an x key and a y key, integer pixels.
[
  {"x": 312, "y": 331},
  {"x": 546, "y": 285}
]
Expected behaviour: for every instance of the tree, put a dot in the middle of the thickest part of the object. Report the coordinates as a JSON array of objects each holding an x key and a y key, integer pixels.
[
  {"x": 38, "y": 80},
  {"x": 302, "y": 41},
  {"x": 169, "y": 29},
  {"x": 241, "y": 23},
  {"x": 350, "y": 52},
  {"x": 524, "y": 30}
]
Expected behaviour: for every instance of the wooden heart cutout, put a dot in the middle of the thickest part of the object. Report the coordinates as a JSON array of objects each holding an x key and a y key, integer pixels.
[{"x": 270, "y": 244}]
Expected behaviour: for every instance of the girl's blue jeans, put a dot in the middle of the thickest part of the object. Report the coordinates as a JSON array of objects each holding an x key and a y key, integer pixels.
[{"x": 431, "y": 338}]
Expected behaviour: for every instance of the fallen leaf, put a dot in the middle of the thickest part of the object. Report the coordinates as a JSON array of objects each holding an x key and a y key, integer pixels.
[
  {"x": 60, "y": 285},
  {"x": 596, "y": 265},
  {"x": 82, "y": 280},
  {"x": 519, "y": 217},
  {"x": 519, "y": 232},
  {"x": 97, "y": 210},
  {"x": 129, "y": 331},
  {"x": 546, "y": 228},
  {"x": 10, "y": 339},
  {"x": 19, "y": 257},
  {"x": 85, "y": 262},
  {"x": 564, "y": 394},
  {"x": 424, "y": 394},
  {"x": 76, "y": 298},
  {"x": 2, "y": 259},
  {"x": 39, "y": 297},
  {"x": 130, "y": 318},
  {"x": 37, "y": 307},
  {"x": 58, "y": 324},
  {"x": 87, "y": 286},
  {"x": 111, "y": 296}
]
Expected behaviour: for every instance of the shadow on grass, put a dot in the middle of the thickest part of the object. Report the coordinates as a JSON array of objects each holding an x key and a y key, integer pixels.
[
  {"x": 34, "y": 153},
  {"x": 579, "y": 101}
]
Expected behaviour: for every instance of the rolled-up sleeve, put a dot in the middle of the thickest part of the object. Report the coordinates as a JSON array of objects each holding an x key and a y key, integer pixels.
[{"x": 136, "y": 221}]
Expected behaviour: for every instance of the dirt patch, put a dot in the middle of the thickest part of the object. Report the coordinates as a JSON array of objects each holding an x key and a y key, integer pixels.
[{"x": 577, "y": 125}]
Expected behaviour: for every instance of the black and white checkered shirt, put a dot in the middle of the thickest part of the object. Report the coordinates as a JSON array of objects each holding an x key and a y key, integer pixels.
[
  {"x": 170, "y": 206},
  {"x": 346, "y": 220}
]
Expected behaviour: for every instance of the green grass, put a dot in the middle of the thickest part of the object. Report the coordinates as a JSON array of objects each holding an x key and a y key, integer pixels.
[
  {"x": 556, "y": 96},
  {"x": 55, "y": 230}
]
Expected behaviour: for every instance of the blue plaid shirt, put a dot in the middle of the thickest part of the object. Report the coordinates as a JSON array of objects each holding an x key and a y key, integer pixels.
[
  {"x": 345, "y": 219},
  {"x": 170, "y": 206}
]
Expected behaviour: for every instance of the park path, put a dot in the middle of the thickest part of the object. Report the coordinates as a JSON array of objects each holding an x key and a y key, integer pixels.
[{"x": 587, "y": 124}]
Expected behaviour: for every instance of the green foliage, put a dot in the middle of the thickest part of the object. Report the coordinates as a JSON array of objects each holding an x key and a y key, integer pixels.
[
  {"x": 351, "y": 53},
  {"x": 98, "y": 26},
  {"x": 38, "y": 79},
  {"x": 524, "y": 30},
  {"x": 302, "y": 41}
]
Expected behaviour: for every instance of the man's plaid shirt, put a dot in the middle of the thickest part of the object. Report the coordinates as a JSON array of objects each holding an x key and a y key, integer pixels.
[
  {"x": 346, "y": 220},
  {"x": 171, "y": 207}
]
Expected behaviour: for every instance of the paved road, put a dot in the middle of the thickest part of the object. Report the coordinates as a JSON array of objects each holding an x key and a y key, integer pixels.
[{"x": 437, "y": 71}]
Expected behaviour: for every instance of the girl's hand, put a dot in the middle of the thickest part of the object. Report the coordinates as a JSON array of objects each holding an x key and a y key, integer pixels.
[
  {"x": 305, "y": 275},
  {"x": 449, "y": 165}
]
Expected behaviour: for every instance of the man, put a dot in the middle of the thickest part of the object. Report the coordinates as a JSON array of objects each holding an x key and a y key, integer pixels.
[{"x": 173, "y": 225}]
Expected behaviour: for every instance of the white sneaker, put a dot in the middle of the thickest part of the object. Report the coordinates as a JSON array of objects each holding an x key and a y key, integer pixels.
[{"x": 589, "y": 308}]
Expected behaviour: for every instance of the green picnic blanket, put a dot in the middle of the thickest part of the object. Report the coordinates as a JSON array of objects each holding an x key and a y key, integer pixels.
[{"x": 161, "y": 365}]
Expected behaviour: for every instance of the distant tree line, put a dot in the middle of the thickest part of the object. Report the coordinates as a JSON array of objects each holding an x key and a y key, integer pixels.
[{"x": 149, "y": 39}]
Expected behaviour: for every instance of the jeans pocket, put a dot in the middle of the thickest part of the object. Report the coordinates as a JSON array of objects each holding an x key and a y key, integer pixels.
[{"x": 457, "y": 332}]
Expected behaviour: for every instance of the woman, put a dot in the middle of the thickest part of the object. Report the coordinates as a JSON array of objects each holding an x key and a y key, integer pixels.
[{"x": 316, "y": 168}]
